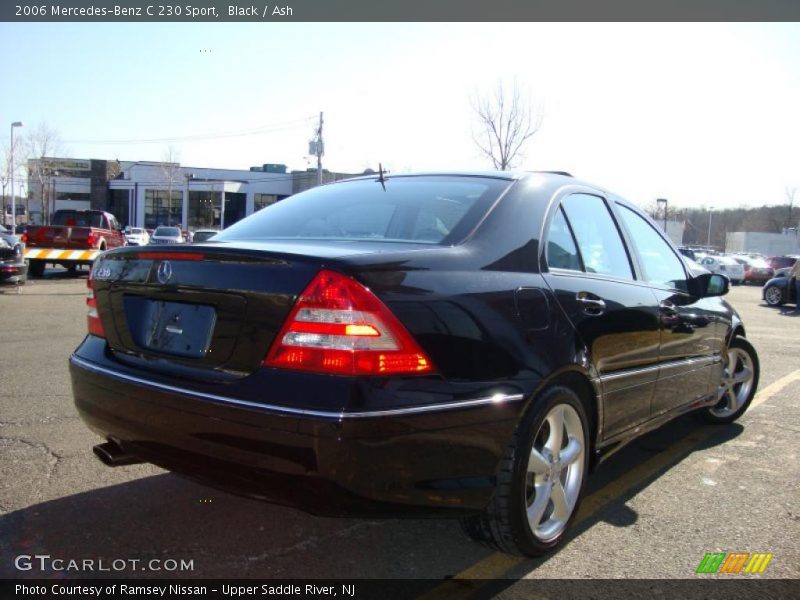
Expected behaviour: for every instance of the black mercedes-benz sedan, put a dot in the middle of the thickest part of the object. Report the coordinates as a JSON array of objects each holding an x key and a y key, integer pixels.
[{"x": 443, "y": 344}]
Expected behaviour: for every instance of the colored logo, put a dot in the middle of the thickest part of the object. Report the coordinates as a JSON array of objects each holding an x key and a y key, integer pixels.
[{"x": 735, "y": 562}]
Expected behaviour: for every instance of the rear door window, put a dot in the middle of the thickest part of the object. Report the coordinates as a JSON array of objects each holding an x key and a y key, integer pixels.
[
  {"x": 562, "y": 253},
  {"x": 601, "y": 248}
]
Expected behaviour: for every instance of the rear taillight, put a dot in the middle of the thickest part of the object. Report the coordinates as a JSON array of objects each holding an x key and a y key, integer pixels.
[
  {"x": 93, "y": 322},
  {"x": 90, "y": 239},
  {"x": 338, "y": 326},
  {"x": 24, "y": 237}
]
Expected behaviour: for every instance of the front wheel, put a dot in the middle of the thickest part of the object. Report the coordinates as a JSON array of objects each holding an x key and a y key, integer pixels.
[
  {"x": 541, "y": 478},
  {"x": 738, "y": 385}
]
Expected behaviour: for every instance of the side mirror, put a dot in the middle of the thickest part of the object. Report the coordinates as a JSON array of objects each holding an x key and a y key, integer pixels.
[{"x": 709, "y": 284}]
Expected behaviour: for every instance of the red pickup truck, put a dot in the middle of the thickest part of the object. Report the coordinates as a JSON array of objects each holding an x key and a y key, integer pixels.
[{"x": 75, "y": 238}]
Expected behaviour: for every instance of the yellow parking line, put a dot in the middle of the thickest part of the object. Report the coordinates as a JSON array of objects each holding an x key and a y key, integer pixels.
[
  {"x": 774, "y": 388},
  {"x": 498, "y": 564}
]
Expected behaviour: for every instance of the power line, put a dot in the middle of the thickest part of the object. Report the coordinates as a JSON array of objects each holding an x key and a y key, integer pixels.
[{"x": 285, "y": 125}]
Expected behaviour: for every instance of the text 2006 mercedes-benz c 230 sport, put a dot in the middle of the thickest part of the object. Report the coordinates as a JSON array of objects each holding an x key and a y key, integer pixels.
[{"x": 468, "y": 345}]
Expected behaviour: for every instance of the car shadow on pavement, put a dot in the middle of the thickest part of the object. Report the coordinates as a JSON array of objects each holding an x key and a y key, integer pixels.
[
  {"x": 164, "y": 517},
  {"x": 789, "y": 311},
  {"x": 664, "y": 447}
]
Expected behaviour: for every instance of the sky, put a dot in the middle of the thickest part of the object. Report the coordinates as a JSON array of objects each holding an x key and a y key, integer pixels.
[{"x": 705, "y": 115}]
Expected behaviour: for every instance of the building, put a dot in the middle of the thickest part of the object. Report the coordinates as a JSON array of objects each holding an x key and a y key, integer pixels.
[
  {"x": 148, "y": 194},
  {"x": 674, "y": 230},
  {"x": 56, "y": 183},
  {"x": 769, "y": 244}
]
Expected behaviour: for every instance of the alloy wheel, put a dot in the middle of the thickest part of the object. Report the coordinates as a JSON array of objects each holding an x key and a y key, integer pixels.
[
  {"x": 555, "y": 472},
  {"x": 773, "y": 296},
  {"x": 737, "y": 381}
]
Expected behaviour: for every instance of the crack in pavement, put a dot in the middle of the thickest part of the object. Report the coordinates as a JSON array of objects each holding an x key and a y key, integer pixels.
[
  {"x": 54, "y": 457},
  {"x": 314, "y": 540}
]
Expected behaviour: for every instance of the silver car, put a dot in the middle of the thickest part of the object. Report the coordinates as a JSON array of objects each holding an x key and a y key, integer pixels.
[{"x": 165, "y": 234}]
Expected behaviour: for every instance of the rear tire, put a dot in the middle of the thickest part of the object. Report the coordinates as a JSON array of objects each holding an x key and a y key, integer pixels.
[
  {"x": 540, "y": 479},
  {"x": 738, "y": 385},
  {"x": 36, "y": 268},
  {"x": 773, "y": 295}
]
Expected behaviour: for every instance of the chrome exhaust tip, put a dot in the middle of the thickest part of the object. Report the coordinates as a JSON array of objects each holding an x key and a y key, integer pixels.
[{"x": 111, "y": 454}]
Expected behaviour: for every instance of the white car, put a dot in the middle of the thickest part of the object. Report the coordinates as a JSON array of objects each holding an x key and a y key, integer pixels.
[
  {"x": 724, "y": 265},
  {"x": 167, "y": 235},
  {"x": 201, "y": 235},
  {"x": 137, "y": 236}
]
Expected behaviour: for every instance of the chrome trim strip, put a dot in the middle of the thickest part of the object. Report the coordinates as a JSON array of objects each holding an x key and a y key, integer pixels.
[
  {"x": 699, "y": 362},
  {"x": 340, "y": 416}
]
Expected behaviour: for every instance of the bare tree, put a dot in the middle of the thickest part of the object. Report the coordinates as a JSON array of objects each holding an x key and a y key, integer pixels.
[
  {"x": 506, "y": 120},
  {"x": 41, "y": 142},
  {"x": 170, "y": 174}
]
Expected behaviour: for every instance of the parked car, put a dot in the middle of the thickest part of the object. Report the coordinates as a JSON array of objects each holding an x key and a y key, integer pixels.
[
  {"x": 724, "y": 265},
  {"x": 72, "y": 240},
  {"x": 468, "y": 345},
  {"x": 780, "y": 289},
  {"x": 756, "y": 270},
  {"x": 167, "y": 235},
  {"x": 687, "y": 252},
  {"x": 781, "y": 262},
  {"x": 201, "y": 235},
  {"x": 10, "y": 238},
  {"x": 137, "y": 236},
  {"x": 13, "y": 268}
]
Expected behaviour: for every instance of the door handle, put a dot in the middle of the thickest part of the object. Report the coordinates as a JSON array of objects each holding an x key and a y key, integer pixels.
[
  {"x": 668, "y": 308},
  {"x": 592, "y": 305}
]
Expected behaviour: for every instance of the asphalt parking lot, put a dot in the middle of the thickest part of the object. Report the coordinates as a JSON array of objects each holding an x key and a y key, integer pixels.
[{"x": 652, "y": 511}]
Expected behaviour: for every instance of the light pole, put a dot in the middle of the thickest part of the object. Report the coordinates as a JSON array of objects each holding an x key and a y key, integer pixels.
[
  {"x": 710, "y": 214},
  {"x": 11, "y": 174},
  {"x": 659, "y": 201}
]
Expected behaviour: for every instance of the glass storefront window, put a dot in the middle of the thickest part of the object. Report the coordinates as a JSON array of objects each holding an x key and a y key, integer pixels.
[
  {"x": 162, "y": 208},
  {"x": 204, "y": 210}
]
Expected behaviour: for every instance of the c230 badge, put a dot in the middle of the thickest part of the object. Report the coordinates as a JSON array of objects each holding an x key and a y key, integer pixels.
[{"x": 102, "y": 273}]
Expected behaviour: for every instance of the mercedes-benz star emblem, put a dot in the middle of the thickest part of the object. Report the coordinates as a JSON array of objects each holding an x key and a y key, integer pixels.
[{"x": 164, "y": 273}]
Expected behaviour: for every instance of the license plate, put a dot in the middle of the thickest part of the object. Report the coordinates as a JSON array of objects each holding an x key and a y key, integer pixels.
[{"x": 170, "y": 327}]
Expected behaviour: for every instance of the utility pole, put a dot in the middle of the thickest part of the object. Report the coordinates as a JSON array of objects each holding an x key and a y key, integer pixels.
[
  {"x": 317, "y": 147},
  {"x": 708, "y": 239},
  {"x": 11, "y": 174},
  {"x": 665, "y": 202}
]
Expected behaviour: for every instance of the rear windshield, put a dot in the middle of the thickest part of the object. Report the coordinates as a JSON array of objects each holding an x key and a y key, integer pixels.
[{"x": 418, "y": 209}]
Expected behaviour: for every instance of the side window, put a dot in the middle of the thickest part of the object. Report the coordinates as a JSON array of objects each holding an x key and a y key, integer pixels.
[
  {"x": 598, "y": 238},
  {"x": 660, "y": 263},
  {"x": 561, "y": 250}
]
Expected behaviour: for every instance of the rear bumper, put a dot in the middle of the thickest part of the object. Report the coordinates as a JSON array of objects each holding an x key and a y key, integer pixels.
[
  {"x": 61, "y": 255},
  {"x": 422, "y": 460},
  {"x": 12, "y": 273}
]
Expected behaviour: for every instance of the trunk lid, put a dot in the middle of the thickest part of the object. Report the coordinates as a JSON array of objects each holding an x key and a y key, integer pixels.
[{"x": 211, "y": 310}]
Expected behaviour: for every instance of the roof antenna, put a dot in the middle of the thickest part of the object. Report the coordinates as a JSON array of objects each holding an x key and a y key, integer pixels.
[{"x": 381, "y": 178}]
